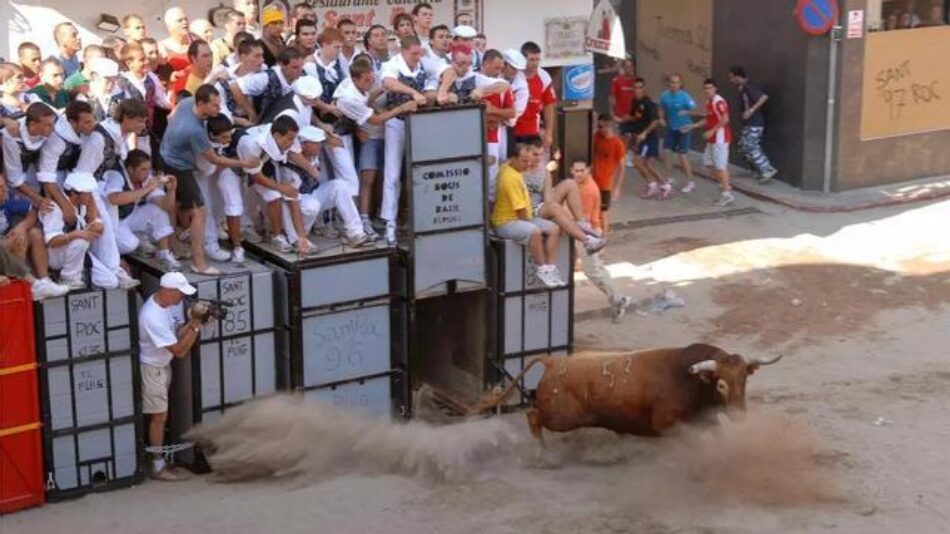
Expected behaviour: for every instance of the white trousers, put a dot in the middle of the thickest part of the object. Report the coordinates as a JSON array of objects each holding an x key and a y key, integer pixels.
[
  {"x": 68, "y": 259},
  {"x": 392, "y": 168},
  {"x": 344, "y": 165},
  {"x": 105, "y": 249},
  {"x": 329, "y": 195},
  {"x": 494, "y": 151},
  {"x": 149, "y": 219},
  {"x": 596, "y": 272},
  {"x": 232, "y": 193}
]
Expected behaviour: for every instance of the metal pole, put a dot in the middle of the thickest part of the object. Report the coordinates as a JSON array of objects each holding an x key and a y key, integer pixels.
[{"x": 835, "y": 35}]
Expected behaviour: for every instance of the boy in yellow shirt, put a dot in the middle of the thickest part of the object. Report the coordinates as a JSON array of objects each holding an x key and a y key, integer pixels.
[{"x": 513, "y": 218}]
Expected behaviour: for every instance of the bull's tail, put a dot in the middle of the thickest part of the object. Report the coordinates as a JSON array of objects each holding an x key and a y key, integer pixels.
[{"x": 494, "y": 398}]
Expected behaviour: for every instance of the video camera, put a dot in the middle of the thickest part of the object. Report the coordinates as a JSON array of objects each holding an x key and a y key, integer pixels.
[{"x": 216, "y": 309}]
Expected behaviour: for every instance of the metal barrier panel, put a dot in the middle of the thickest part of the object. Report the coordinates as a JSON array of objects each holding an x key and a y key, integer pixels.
[
  {"x": 90, "y": 384},
  {"x": 457, "y": 257},
  {"x": 445, "y": 134},
  {"x": 369, "y": 396},
  {"x": 347, "y": 344}
]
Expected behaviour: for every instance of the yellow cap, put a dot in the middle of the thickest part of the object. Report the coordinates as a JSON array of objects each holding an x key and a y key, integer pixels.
[{"x": 271, "y": 15}]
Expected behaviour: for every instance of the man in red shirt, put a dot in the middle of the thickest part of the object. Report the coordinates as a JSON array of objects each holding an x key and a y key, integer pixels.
[
  {"x": 622, "y": 99},
  {"x": 718, "y": 135},
  {"x": 541, "y": 100},
  {"x": 500, "y": 110}
]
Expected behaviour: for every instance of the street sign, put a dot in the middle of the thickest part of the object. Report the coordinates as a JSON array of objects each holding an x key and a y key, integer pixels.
[
  {"x": 817, "y": 17},
  {"x": 579, "y": 82}
]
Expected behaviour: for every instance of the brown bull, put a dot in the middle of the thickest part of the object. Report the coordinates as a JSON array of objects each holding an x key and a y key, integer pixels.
[{"x": 642, "y": 393}]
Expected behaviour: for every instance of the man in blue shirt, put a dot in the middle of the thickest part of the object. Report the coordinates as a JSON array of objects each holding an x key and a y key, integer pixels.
[
  {"x": 185, "y": 140},
  {"x": 67, "y": 40},
  {"x": 753, "y": 125},
  {"x": 675, "y": 105}
]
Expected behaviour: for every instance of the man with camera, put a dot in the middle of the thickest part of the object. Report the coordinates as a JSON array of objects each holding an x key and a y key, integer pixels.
[{"x": 165, "y": 332}]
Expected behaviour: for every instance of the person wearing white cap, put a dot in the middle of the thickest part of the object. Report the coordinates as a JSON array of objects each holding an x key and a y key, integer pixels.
[
  {"x": 105, "y": 149},
  {"x": 68, "y": 244},
  {"x": 515, "y": 64},
  {"x": 102, "y": 94},
  {"x": 353, "y": 98},
  {"x": 317, "y": 197},
  {"x": 299, "y": 104},
  {"x": 465, "y": 35},
  {"x": 166, "y": 332}
]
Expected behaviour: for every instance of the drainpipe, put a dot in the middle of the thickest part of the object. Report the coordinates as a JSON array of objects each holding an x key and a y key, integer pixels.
[{"x": 836, "y": 35}]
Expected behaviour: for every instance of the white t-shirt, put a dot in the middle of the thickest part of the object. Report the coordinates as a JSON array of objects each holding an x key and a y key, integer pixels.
[
  {"x": 158, "y": 330},
  {"x": 355, "y": 105}
]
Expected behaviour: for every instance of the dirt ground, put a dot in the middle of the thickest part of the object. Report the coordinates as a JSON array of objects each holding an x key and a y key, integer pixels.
[{"x": 846, "y": 434}]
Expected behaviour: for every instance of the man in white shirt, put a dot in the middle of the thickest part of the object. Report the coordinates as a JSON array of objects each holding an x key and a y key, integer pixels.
[
  {"x": 515, "y": 65},
  {"x": 351, "y": 36},
  {"x": 404, "y": 80},
  {"x": 21, "y": 150},
  {"x": 422, "y": 16},
  {"x": 355, "y": 98},
  {"x": 165, "y": 334},
  {"x": 60, "y": 152},
  {"x": 461, "y": 83},
  {"x": 67, "y": 244}
]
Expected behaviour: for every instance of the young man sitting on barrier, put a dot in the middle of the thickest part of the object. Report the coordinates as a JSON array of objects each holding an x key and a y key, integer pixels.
[
  {"x": 142, "y": 208},
  {"x": 317, "y": 197},
  {"x": 165, "y": 334},
  {"x": 22, "y": 238},
  {"x": 513, "y": 217},
  {"x": 549, "y": 200},
  {"x": 68, "y": 245}
]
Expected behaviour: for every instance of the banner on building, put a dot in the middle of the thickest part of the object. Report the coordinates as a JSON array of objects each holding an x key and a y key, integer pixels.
[
  {"x": 564, "y": 39},
  {"x": 605, "y": 32},
  {"x": 366, "y": 13}
]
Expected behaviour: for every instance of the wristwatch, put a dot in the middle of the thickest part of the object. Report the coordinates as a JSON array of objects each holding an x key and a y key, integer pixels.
[{"x": 196, "y": 329}]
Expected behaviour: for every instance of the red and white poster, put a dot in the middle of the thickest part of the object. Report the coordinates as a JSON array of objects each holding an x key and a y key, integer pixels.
[
  {"x": 605, "y": 32},
  {"x": 366, "y": 13}
]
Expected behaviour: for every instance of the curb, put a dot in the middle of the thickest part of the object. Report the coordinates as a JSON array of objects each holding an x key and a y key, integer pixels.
[{"x": 837, "y": 208}]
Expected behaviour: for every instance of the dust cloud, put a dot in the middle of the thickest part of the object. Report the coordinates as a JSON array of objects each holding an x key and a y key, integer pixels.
[
  {"x": 763, "y": 459},
  {"x": 286, "y": 436}
]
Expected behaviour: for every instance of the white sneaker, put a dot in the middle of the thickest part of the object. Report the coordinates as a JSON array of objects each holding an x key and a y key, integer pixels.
[
  {"x": 44, "y": 288},
  {"x": 588, "y": 229},
  {"x": 725, "y": 199},
  {"x": 546, "y": 274},
  {"x": 369, "y": 230},
  {"x": 391, "y": 234},
  {"x": 688, "y": 188},
  {"x": 217, "y": 254},
  {"x": 619, "y": 308},
  {"x": 167, "y": 261},
  {"x": 237, "y": 256},
  {"x": 593, "y": 245},
  {"x": 666, "y": 191},
  {"x": 651, "y": 191},
  {"x": 126, "y": 281},
  {"x": 356, "y": 240},
  {"x": 556, "y": 276},
  {"x": 281, "y": 244},
  {"x": 72, "y": 283}
]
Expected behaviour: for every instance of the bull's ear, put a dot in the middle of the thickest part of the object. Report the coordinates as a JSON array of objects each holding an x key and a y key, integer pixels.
[{"x": 751, "y": 369}]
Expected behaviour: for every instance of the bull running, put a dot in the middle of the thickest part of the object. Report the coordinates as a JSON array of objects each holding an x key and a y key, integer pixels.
[{"x": 641, "y": 393}]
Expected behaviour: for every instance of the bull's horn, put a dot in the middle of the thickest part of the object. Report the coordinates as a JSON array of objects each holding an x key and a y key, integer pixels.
[
  {"x": 764, "y": 361},
  {"x": 705, "y": 365}
]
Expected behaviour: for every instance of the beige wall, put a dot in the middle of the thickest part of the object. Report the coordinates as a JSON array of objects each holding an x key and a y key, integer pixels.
[{"x": 674, "y": 36}]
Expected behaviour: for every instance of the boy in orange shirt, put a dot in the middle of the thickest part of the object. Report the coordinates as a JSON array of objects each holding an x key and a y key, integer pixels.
[
  {"x": 609, "y": 154},
  {"x": 593, "y": 264}
]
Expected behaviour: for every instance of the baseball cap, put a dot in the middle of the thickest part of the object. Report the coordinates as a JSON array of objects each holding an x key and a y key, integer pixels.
[
  {"x": 515, "y": 58},
  {"x": 465, "y": 32},
  {"x": 312, "y": 134},
  {"x": 308, "y": 87},
  {"x": 80, "y": 182},
  {"x": 177, "y": 281},
  {"x": 104, "y": 66},
  {"x": 271, "y": 15}
]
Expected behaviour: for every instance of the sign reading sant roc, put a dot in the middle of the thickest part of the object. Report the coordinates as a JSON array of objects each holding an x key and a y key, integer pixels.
[{"x": 447, "y": 196}]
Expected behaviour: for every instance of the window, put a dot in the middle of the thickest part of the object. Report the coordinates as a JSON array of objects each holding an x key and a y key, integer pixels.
[{"x": 886, "y": 15}]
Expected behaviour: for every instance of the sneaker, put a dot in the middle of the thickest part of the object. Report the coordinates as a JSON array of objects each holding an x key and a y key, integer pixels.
[
  {"x": 666, "y": 191},
  {"x": 72, "y": 283},
  {"x": 368, "y": 229},
  {"x": 44, "y": 288},
  {"x": 588, "y": 229},
  {"x": 237, "y": 256},
  {"x": 209, "y": 271},
  {"x": 556, "y": 276},
  {"x": 767, "y": 177},
  {"x": 167, "y": 261},
  {"x": 126, "y": 281},
  {"x": 356, "y": 240},
  {"x": 725, "y": 199},
  {"x": 280, "y": 243},
  {"x": 593, "y": 245},
  {"x": 651, "y": 191},
  {"x": 146, "y": 248},
  {"x": 688, "y": 188},
  {"x": 166, "y": 475},
  {"x": 251, "y": 235},
  {"x": 619, "y": 308},
  {"x": 546, "y": 274},
  {"x": 217, "y": 254},
  {"x": 391, "y": 234}
]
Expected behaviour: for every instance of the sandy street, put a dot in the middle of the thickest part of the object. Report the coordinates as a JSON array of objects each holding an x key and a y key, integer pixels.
[{"x": 847, "y": 434}]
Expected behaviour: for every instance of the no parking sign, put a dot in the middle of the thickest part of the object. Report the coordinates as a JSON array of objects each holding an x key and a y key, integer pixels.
[{"x": 817, "y": 17}]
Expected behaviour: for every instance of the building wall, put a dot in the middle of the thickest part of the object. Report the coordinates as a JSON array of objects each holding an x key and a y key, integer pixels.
[
  {"x": 509, "y": 23},
  {"x": 880, "y": 161}
]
